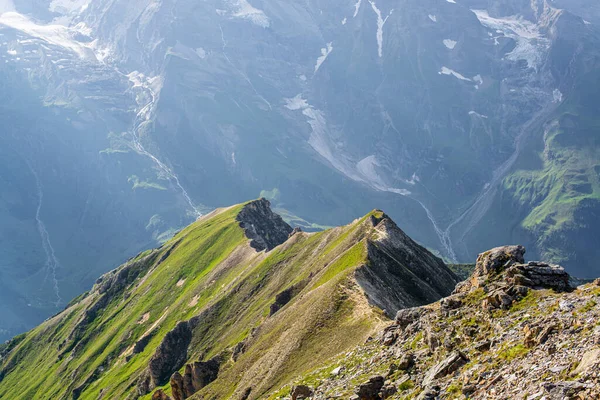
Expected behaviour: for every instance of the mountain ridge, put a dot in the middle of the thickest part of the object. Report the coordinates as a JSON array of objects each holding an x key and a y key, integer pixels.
[{"x": 210, "y": 300}]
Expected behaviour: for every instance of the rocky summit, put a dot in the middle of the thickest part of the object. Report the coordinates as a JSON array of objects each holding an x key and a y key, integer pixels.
[{"x": 241, "y": 306}]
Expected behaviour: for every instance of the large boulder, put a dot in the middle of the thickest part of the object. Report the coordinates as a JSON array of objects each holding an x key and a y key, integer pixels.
[
  {"x": 492, "y": 262},
  {"x": 537, "y": 274},
  {"x": 370, "y": 389},
  {"x": 301, "y": 392}
]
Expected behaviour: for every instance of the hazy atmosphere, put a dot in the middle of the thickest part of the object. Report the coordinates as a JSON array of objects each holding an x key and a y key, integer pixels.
[{"x": 471, "y": 123}]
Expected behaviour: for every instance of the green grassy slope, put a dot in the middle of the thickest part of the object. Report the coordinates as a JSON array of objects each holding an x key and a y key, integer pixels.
[
  {"x": 102, "y": 344},
  {"x": 558, "y": 187}
]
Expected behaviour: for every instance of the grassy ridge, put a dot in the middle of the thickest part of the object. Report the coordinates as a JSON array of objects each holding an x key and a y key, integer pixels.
[{"x": 207, "y": 266}]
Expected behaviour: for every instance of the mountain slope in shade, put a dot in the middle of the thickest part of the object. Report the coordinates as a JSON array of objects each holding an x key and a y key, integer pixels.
[{"x": 234, "y": 306}]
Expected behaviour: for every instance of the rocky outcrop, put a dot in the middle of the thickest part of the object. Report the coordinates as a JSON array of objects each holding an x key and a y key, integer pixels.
[
  {"x": 505, "y": 278},
  {"x": 170, "y": 355},
  {"x": 400, "y": 272},
  {"x": 265, "y": 229},
  {"x": 537, "y": 274},
  {"x": 284, "y": 297},
  {"x": 507, "y": 335},
  {"x": 196, "y": 376},
  {"x": 492, "y": 262},
  {"x": 160, "y": 395}
]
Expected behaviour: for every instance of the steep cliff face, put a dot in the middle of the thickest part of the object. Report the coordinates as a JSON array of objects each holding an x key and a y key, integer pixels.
[{"x": 235, "y": 306}]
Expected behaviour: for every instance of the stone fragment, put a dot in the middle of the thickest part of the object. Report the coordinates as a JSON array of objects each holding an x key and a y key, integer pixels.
[
  {"x": 452, "y": 363},
  {"x": 370, "y": 390},
  {"x": 160, "y": 395},
  {"x": 177, "y": 387},
  {"x": 406, "y": 362},
  {"x": 588, "y": 361},
  {"x": 388, "y": 391},
  {"x": 407, "y": 316},
  {"x": 301, "y": 392}
]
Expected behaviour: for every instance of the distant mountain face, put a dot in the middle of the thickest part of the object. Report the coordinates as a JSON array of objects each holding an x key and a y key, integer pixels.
[{"x": 473, "y": 122}]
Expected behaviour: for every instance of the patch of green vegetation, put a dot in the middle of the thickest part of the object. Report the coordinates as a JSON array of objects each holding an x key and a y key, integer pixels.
[
  {"x": 455, "y": 389},
  {"x": 354, "y": 257},
  {"x": 475, "y": 297},
  {"x": 589, "y": 306},
  {"x": 510, "y": 353},
  {"x": 406, "y": 385},
  {"x": 138, "y": 184},
  {"x": 295, "y": 220},
  {"x": 271, "y": 195}
]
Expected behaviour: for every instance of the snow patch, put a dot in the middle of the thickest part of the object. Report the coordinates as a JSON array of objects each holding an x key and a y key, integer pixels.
[
  {"x": 57, "y": 35},
  {"x": 448, "y": 71},
  {"x": 557, "y": 96},
  {"x": 325, "y": 51},
  {"x": 367, "y": 167},
  {"x": 201, "y": 52},
  {"x": 451, "y": 1},
  {"x": 433, "y": 18},
  {"x": 344, "y": 21},
  {"x": 356, "y": 8},
  {"x": 296, "y": 103},
  {"x": 12, "y": 52},
  {"x": 365, "y": 171},
  {"x": 530, "y": 43},
  {"x": 451, "y": 44},
  {"x": 380, "y": 24},
  {"x": 587, "y": 22},
  {"x": 244, "y": 10},
  {"x": 476, "y": 114}
]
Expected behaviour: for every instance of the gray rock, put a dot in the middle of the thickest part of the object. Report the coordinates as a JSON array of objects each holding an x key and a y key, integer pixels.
[
  {"x": 265, "y": 229},
  {"x": 301, "y": 392},
  {"x": 171, "y": 354},
  {"x": 160, "y": 395},
  {"x": 388, "y": 391},
  {"x": 406, "y": 362},
  {"x": 407, "y": 316},
  {"x": 370, "y": 389},
  {"x": 498, "y": 259},
  {"x": 492, "y": 262},
  {"x": 452, "y": 363},
  {"x": 537, "y": 274},
  {"x": 588, "y": 361}
]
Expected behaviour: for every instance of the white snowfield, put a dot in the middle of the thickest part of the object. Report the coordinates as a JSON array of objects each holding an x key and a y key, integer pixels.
[
  {"x": 58, "y": 35},
  {"x": 530, "y": 43},
  {"x": 364, "y": 171}
]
